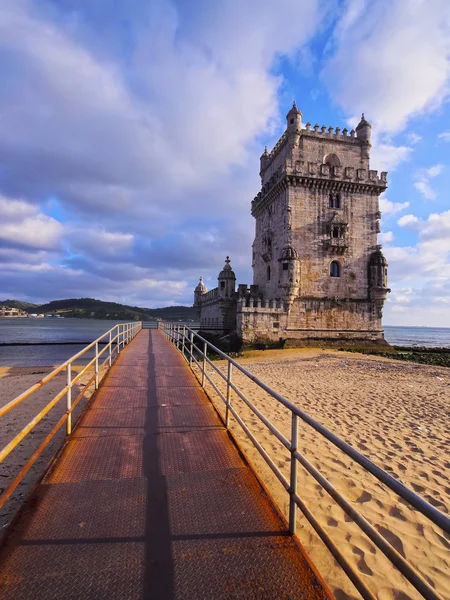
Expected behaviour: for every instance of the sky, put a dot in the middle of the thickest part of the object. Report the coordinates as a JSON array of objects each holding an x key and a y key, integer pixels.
[{"x": 130, "y": 137}]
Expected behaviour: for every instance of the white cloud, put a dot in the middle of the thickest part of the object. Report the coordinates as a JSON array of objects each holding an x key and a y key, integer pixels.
[
  {"x": 413, "y": 138},
  {"x": 408, "y": 221},
  {"x": 423, "y": 181},
  {"x": 385, "y": 156},
  {"x": 386, "y": 237},
  {"x": 425, "y": 189},
  {"x": 379, "y": 48},
  {"x": 391, "y": 208},
  {"x": 445, "y": 136},
  {"x": 150, "y": 131}
]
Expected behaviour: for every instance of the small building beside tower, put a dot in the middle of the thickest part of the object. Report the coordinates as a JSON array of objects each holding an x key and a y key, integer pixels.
[{"x": 318, "y": 271}]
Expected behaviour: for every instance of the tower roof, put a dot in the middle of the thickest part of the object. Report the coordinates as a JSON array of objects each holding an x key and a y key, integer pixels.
[
  {"x": 227, "y": 272},
  {"x": 201, "y": 287},
  {"x": 294, "y": 111},
  {"x": 363, "y": 123}
]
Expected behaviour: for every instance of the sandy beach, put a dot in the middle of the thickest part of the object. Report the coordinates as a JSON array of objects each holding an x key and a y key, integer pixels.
[
  {"x": 397, "y": 414},
  {"x": 13, "y": 381}
]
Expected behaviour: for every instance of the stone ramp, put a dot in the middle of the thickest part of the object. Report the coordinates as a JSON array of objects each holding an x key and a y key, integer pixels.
[{"x": 150, "y": 499}]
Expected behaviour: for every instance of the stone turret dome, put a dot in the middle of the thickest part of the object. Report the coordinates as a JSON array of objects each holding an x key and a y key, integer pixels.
[
  {"x": 288, "y": 253},
  {"x": 201, "y": 287},
  {"x": 378, "y": 259},
  {"x": 227, "y": 272},
  {"x": 363, "y": 123},
  {"x": 294, "y": 111}
]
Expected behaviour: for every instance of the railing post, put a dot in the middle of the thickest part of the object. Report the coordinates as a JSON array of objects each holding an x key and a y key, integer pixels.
[
  {"x": 118, "y": 339},
  {"x": 96, "y": 365},
  {"x": 110, "y": 349},
  {"x": 204, "y": 365},
  {"x": 227, "y": 410},
  {"x": 182, "y": 339},
  {"x": 293, "y": 482},
  {"x": 192, "y": 348},
  {"x": 69, "y": 399}
]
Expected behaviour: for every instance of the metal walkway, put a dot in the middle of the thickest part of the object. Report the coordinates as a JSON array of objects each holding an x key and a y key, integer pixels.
[{"x": 150, "y": 499}]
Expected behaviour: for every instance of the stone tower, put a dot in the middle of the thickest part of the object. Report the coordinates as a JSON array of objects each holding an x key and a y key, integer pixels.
[
  {"x": 317, "y": 218},
  {"x": 318, "y": 271}
]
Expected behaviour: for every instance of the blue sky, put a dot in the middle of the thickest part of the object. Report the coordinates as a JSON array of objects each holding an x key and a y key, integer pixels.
[{"x": 131, "y": 137}]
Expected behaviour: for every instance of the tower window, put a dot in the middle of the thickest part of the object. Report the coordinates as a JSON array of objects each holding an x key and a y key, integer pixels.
[
  {"x": 291, "y": 121},
  {"x": 269, "y": 243},
  {"x": 334, "y": 201},
  {"x": 335, "y": 269},
  {"x": 268, "y": 273},
  {"x": 222, "y": 285},
  {"x": 285, "y": 266}
]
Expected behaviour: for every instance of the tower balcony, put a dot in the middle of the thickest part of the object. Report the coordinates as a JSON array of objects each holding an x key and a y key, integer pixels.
[{"x": 336, "y": 245}]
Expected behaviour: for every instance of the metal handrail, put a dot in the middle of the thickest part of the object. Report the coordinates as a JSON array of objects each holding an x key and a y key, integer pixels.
[
  {"x": 183, "y": 338},
  {"x": 118, "y": 337}
]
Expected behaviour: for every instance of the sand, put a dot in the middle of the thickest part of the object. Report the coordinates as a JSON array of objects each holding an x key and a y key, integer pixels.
[
  {"x": 13, "y": 381},
  {"x": 397, "y": 414}
]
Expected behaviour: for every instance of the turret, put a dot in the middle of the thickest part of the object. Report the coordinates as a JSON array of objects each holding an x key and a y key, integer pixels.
[
  {"x": 378, "y": 278},
  {"x": 363, "y": 130},
  {"x": 363, "y": 133},
  {"x": 294, "y": 119},
  {"x": 226, "y": 281},
  {"x": 263, "y": 160},
  {"x": 198, "y": 293},
  {"x": 289, "y": 273}
]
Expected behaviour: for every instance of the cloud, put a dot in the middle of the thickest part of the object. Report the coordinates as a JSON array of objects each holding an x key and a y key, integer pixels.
[
  {"x": 408, "y": 221},
  {"x": 423, "y": 181},
  {"x": 147, "y": 135},
  {"x": 444, "y": 135},
  {"x": 385, "y": 156},
  {"x": 413, "y": 138},
  {"x": 391, "y": 208},
  {"x": 378, "y": 49},
  {"x": 23, "y": 225},
  {"x": 386, "y": 237}
]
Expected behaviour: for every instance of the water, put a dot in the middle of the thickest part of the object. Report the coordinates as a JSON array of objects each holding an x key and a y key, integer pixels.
[
  {"x": 36, "y": 331},
  {"x": 84, "y": 331},
  {"x": 429, "y": 337}
]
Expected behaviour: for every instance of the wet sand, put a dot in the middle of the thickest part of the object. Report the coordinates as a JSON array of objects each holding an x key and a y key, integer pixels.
[{"x": 397, "y": 414}]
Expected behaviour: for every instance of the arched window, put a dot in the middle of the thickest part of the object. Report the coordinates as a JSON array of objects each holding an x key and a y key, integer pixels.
[
  {"x": 268, "y": 273},
  {"x": 330, "y": 201},
  {"x": 332, "y": 160},
  {"x": 337, "y": 201},
  {"x": 335, "y": 269}
]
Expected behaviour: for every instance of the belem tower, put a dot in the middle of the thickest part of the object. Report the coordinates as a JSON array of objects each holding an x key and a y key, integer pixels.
[{"x": 318, "y": 271}]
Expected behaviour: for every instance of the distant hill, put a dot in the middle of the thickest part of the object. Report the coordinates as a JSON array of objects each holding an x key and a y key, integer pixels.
[
  {"x": 89, "y": 308},
  {"x": 27, "y": 306}
]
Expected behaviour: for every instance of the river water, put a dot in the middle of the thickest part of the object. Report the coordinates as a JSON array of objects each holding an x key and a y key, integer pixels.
[{"x": 84, "y": 331}]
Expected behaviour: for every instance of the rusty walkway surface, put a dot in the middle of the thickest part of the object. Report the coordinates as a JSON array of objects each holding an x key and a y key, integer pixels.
[{"x": 151, "y": 499}]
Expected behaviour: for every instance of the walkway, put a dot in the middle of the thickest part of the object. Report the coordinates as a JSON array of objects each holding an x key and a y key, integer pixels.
[{"x": 150, "y": 499}]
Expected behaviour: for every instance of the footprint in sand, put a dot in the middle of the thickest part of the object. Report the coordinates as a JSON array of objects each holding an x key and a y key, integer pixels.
[
  {"x": 397, "y": 513},
  {"x": 361, "y": 564},
  {"x": 417, "y": 488},
  {"x": 365, "y": 497},
  {"x": 393, "y": 539}
]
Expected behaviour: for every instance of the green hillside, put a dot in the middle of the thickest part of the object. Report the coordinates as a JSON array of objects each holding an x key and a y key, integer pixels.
[
  {"x": 27, "y": 306},
  {"x": 89, "y": 308}
]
